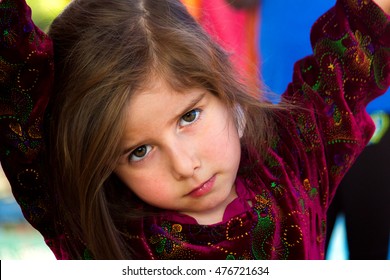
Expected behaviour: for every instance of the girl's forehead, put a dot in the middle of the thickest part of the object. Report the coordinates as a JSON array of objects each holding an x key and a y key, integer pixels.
[
  {"x": 161, "y": 94},
  {"x": 154, "y": 82},
  {"x": 157, "y": 85},
  {"x": 167, "y": 81}
]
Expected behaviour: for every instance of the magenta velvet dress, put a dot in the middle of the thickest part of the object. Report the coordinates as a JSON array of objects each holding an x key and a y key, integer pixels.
[{"x": 282, "y": 199}]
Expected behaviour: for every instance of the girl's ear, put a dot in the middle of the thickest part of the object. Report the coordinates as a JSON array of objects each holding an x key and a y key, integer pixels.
[{"x": 240, "y": 120}]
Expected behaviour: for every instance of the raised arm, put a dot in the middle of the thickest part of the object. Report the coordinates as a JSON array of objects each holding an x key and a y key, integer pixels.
[
  {"x": 349, "y": 68},
  {"x": 26, "y": 77}
]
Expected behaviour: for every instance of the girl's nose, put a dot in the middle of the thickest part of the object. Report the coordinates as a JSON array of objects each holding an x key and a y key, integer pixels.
[{"x": 184, "y": 160}]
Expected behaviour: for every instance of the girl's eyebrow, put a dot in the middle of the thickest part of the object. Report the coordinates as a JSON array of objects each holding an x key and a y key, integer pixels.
[{"x": 189, "y": 106}]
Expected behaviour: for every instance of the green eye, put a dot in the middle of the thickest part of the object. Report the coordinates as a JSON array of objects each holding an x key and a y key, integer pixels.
[
  {"x": 140, "y": 152},
  {"x": 190, "y": 117}
]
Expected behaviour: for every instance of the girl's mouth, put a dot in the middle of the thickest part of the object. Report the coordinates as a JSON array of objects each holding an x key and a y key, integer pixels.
[{"x": 203, "y": 189}]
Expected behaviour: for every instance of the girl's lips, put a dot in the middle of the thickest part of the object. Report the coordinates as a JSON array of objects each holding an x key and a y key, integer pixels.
[{"x": 205, "y": 188}]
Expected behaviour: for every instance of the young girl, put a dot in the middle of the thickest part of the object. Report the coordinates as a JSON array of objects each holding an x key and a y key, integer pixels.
[{"x": 144, "y": 144}]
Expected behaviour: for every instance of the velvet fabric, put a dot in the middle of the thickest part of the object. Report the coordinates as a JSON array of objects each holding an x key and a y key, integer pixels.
[{"x": 280, "y": 212}]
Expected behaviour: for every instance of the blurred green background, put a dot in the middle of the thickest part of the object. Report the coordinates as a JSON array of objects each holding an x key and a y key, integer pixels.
[
  {"x": 44, "y": 11},
  {"x": 18, "y": 240}
]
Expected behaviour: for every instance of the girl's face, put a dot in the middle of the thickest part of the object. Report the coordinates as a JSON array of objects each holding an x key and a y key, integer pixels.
[{"x": 181, "y": 152}]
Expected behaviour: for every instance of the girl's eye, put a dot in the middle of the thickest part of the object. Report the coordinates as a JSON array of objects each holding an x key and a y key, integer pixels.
[
  {"x": 190, "y": 117},
  {"x": 140, "y": 153}
]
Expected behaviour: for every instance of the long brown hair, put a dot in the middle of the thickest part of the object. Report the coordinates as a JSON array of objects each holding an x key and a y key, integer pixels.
[{"x": 105, "y": 50}]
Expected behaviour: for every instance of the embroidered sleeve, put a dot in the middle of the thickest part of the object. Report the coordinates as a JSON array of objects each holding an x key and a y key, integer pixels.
[
  {"x": 26, "y": 75},
  {"x": 349, "y": 68}
]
